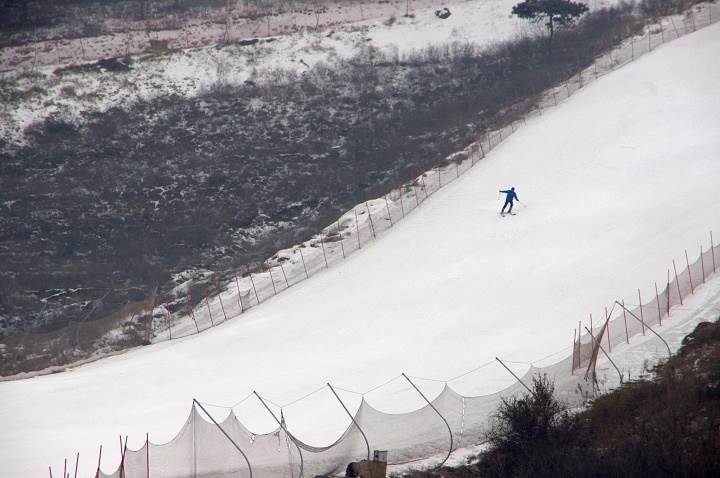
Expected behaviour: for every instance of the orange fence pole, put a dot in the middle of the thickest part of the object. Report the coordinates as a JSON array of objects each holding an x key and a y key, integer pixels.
[
  {"x": 642, "y": 319},
  {"x": 627, "y": 337},
  {"x": 677, "y": 282},
  {"x": 657, "y": 300}
]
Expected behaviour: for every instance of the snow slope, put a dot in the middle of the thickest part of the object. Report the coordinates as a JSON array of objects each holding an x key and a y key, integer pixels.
[{"x": 618, "y": 180}]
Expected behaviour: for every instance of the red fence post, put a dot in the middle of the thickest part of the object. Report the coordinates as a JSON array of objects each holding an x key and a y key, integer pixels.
[
  {"x": 303, "y": 261},
  {"x": 402, "y": 206},
  {"x": 342, "y": 245},
  {"x": 627, "y": 337},
  {"x": 642, "y": 318},
  {"x": 572, "y": 367},
  {"x": 372, "y": 226},
  {"x": 219, "y": 294},
  {"x": 677, "y": 283},
  {"x": 322, "y": 244},
  {"x": 579, "y": 355},
  {"x": 357, "y": 227},
  {"x": 192, "y": 312},
  {"x": 712, "y": 250},
  {"x": 272, "y": 281},
  {"x": 387, "y": 206},
  {"x": 607, "y": 328},
  {"x": 687, "y": 261},
  {"x": 237, "y": 283},
  {"x": 207, "y": 303},
  {"x": 284, "y": 275},
  {"x": 252, "y": 281},
  {"x": 657, "y": 300}
]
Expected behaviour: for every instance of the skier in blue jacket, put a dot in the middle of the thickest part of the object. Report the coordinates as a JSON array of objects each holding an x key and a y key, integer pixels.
[{"x": 510, "y": 196}]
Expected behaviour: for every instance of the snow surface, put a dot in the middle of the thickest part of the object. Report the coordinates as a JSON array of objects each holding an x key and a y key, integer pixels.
[{"x": 618, "y": 180}]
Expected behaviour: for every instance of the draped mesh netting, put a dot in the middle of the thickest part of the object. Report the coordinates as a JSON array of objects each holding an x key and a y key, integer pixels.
[{"x": 201, "y": 449}]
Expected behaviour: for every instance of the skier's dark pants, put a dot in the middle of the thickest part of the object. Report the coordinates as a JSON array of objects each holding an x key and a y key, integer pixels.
[{"x": 505, "y": 205}]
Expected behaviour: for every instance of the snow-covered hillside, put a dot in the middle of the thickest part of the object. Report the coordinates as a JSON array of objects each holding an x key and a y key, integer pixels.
[
  {"x": 39, "y": 93},
  {"x": 617, "y": 182}
]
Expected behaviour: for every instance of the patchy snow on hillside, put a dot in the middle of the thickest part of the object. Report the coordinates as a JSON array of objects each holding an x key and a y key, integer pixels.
[{"x": 49, "y": 93}]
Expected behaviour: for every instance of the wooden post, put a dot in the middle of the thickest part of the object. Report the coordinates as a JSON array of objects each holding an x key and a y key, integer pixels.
[
  {"x": 677, "y": 282},
  {"x": 657, "y": 300},
  {"x": 702, "y": 264},
  {"x": 252, "y": 281},
  {"x": 307, "y": 276},
  {"x": 627, "y": 337},
  {"x": 272, "y": 281},
  {"x": 207, "y": 302},
  {"x": 357, "y": 226},
  {"x": 591, "y": 326},
  {"x": 687, "y": 261},
  {"x": 372, "y": 226},
  {"x": 64, "y": 475},
  {"x": 387, "y": 206},
  {"x": 237, "y": 283},
  {"x": 642, "y": 318},
  {"x": 77, "y": 462},
  {"x": 50, "y": 470}
]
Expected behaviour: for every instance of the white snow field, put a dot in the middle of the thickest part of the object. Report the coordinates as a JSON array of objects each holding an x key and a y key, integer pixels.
[{"x": 618, "y": 181}]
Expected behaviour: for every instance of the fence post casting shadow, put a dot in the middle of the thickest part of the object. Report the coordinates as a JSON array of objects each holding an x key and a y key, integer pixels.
[
  {"x": 282, "y": 425},
  {"x": 439, "y": 414},
  {"x": 367, "y": 444},
  {"x": 648, "y": 327},
  {"x": 226, "y": 435}
]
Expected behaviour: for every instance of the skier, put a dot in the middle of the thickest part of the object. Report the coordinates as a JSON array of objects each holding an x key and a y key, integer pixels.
[{"x": 510, "y": 196}]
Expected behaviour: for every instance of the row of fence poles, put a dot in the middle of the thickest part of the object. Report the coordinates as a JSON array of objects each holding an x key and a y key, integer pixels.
[{"x": 595, "y": 341}]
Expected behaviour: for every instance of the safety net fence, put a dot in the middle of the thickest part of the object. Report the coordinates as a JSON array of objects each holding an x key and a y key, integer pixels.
[{"x": 364, "y": 222}]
